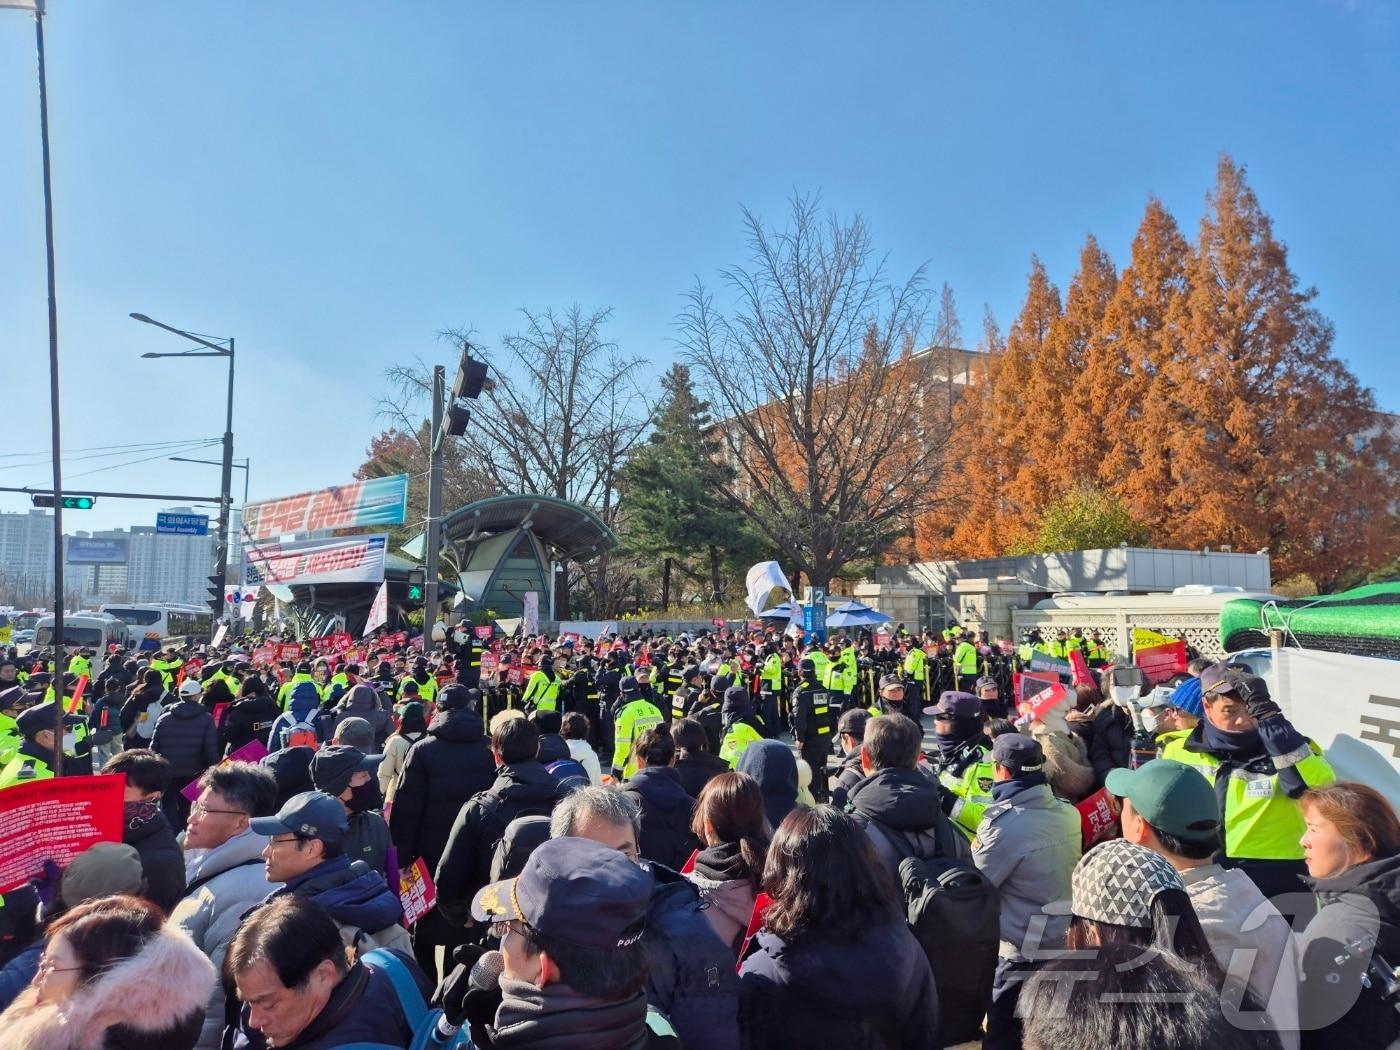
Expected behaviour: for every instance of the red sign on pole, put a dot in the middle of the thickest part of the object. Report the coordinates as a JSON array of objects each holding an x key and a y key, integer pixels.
[
  {"x": 289, "y": 652},
  {"x": 1098, "y": 821},
  {"x": 484, "y": 631},
  {"x": 1160, "y": 662},
  {"x": 489, "y": 662},
  {"x": 56, "y": 819}
]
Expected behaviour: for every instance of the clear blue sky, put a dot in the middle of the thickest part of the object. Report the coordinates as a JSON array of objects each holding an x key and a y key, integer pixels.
[{"x": 333, "y": 183}]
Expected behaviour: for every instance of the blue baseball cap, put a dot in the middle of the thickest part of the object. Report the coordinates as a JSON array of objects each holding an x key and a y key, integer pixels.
[
  {"x": 313, "y": 814},
  {"x": 574, "y": 890},
  {"x": 1018, "y": 753}
]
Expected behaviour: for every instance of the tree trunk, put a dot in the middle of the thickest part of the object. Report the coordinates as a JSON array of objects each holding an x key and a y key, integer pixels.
[
  {"x": 714, "y": 574},
  {"x": 666, "y": 585}
]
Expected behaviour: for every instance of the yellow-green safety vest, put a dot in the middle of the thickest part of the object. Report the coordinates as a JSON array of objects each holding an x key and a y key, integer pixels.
[
  {"x": 973, "y": 791},
  {"x": 542, "y": 691},
  {"x": 737, "y": 739},
  {"x": 771, "y": 676},
  {"x": 965, "y": 657},
  {"x": 1261, "y": 821},
  {"x": 632, "y": 721},
  {"x": 22, "y": 769}
]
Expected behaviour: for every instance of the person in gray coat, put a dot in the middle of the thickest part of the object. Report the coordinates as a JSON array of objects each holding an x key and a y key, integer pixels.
[
  {"x": 1028, "y": 844},
  {"x": 224, "y": 868},
  {"x": 363, "y": 701}
]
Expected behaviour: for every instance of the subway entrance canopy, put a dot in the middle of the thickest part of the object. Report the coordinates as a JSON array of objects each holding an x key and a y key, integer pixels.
[{"x": 507, "y": 546}]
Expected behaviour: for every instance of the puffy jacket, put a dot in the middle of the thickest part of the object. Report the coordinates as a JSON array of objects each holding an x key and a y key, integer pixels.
[
  {"x": 304, "y": 706},
  {"x": 20, "y": 970},
  {"x": 155, "y": 998},
  {"x": 186, "y": 737},
  {"x": 135, "y": 706},
  {"x": 442, "y": 771},
  {"x": 520, "y": 789},
  {"x": 1359, "y": 914},
  {"x": 698, "y": 768},
  {"x": 584, "y": 755},
  {"x": 666, "y": 810},
  {"x": 690, "y": 971},
  {"x": 849, "y": 773},
  {"x": 1028, "y": 844},
  {"x": 146, "y": 830},
  {"x": 874, "y": 992},
  {"x": 1107, "y": 732},
  {"x": 289, "y": 687},
  {"x": 728, "y": 890},
  {"x": 223, "y": 884},
  {"x": 361, "y": 701},
  {"x": 396, "y": 750},
  {"x": 247, "y": 720},
  {"x": 358, "y": 898},
  {"x": 906, "y": 805},
  {"x": 1066, "y": 763}
]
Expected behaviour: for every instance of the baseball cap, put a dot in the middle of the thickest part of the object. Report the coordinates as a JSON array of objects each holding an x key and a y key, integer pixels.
[
  {"x": 853, "y": 722},
  {"x": 454, "y": 697},
  {"x": 890, "y": 681},
  {"x": 189, "y": 687},
  {"x": 953, "y": 704},
  {"x": 334, "y": 765},
  {"x": 101, "y": 870},
  {"x": 1117, "y": 881},
  {"x": 311, "y": 813},
  {"x": 1171, "y": 796},
  {"x": 987, "y": 682},
  {"x": 1222, "y": 678},
  {"x": 1018, "y": 753},
  {"x": 575, "y": 890}
]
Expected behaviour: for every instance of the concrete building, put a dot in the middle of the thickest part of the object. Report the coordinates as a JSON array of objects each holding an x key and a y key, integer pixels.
[
  {"x": 160, "y": 567},
  {"x": 26, "y": 557}
]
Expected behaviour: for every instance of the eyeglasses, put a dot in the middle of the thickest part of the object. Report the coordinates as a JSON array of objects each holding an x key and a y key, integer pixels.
[
  {"x": 281, "y": 842},
  {"x": 504, "y": 926},
  {"x": 47, "y": 967},
  {"x": 200, "y": 807}
]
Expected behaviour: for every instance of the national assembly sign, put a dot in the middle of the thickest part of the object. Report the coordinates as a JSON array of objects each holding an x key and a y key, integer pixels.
[
  {"x": 369, "y": 503},
  {"x": 342, "y": 559}
]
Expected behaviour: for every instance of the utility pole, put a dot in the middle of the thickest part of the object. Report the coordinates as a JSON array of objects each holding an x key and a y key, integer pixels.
[{"x": 434, "y": 537}]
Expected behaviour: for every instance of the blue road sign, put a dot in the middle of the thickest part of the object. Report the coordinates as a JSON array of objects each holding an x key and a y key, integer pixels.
[{"x": 183, "y": 524}]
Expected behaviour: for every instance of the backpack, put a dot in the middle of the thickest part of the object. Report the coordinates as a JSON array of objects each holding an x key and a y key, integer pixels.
[
  {"x": 301, "y": 733},
  {"x": 145, "y": 724},
  {"x": 954, "y": 913},
  {"x": 423, "y": 1020}
]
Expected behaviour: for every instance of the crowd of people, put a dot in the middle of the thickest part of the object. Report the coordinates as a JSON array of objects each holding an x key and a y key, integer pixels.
[{"x": 716, "y": 842}]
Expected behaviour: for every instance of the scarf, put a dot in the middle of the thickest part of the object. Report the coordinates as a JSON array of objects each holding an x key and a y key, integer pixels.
[
  {"x": 964, "y": 729},
  {"x": 1241, "y": 747},
  {"x": 1006, "y": 790}
]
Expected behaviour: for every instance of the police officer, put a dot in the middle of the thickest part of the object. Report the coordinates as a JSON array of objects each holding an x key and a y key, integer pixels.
[
  {"x": 894, "y": 700},
  {"x": 1259, "y": 765},
  {"x": 963, "y": 759},
  {"x": 770, "y": 687},
  {"x": 989, "y": 692},
  {"x": 741, "y": 726},
  {"x": 684, "y": 698},
  {"x": 635, "y": 715},
  {"x": 965, "y": 664},
  {"x": 542, "y": 690},
  {"x": 915, "y": 674},
  {"x": 813, "y": 726},
  {"x": 34, "y": 759},
  {"x": 10, "y": 736}
]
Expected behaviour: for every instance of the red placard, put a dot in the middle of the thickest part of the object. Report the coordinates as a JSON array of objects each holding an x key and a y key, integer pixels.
[
  {"x": 291, "y": 652},
  {"x": 1162, "y": 661},
  {"x": 521, "y": 674},
  {"x": 1098, "y": 818},
  {"x": 417, "y": 893},
  {"x": 267, "y": 654},
  {"x": 716, "y": 621},
  {"x": 483, "y": 632},
  {"x": 56, "y": 819},
  {"x": 1080, "y": 668},
  {"x": 489, "y": 662},
  {"x": 252, "y": 751},
  {"x": 1044, "y": 701}
]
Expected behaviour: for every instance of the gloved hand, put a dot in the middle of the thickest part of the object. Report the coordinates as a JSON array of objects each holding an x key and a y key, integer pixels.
[
  {"x": 616, "y": 774},
  {"x": 1257, "y": 700},
  {"x": 451, "y": 994}
]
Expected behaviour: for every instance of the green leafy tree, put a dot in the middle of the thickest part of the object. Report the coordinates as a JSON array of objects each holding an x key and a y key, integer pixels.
[
  {"x": 671, "y": 507},
  {"x": 1085, "y": 518}
]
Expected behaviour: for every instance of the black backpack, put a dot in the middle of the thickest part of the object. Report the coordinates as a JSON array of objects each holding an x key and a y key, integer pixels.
[{"x": 955, "y": 915}]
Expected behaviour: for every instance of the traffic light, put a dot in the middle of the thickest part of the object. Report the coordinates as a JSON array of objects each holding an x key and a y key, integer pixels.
[
  {"x": 69, "y": 502},
  {"x": 417, "y": 580},
  {"x": 216, "y": 595},
  {"x": 471, "y": 376},
  {"x": 457, "y": 418}
]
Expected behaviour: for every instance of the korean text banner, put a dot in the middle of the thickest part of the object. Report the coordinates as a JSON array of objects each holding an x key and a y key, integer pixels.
[
  {"x": 55, "y": 820},
  {"x": 376, "y": 501},
  {"x": 346, "y": 559}
]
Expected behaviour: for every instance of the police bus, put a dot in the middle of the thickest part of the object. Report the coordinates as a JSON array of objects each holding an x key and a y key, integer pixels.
[
  {"x": 95, "y": 631},
  {"x": 154, "y": 625}
]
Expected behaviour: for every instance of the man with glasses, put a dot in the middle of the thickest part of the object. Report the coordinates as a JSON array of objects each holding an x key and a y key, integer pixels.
[
  {"x": 224, "y": 871},
  {"x": 305, "y": 850},
  {"x": 572, "y": 963}
]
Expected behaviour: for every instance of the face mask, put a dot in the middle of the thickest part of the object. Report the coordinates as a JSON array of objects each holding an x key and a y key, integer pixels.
[
  {"x": 459, "y": 637},
  {"x": 365, "y": 797},
  {"x": 1150, "y": 721},
  {"x": 1123, "y": 694}
]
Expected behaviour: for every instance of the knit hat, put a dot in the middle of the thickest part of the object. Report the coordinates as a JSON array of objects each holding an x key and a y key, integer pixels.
[
  {"x": 1116, "y": 882},
  {"x": 101, "y": 870},
  {"x": 355, "y": 732},
  {"x": 1187, "y": 697}
]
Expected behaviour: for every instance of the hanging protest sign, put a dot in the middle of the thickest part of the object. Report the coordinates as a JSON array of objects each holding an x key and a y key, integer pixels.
[{"x": 55, "y": 819}]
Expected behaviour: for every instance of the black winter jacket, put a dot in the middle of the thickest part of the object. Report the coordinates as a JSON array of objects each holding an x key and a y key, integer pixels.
[
  {"x": 132, "y": 709},
  {"x": 521, "y": 789},
  {"x": 247, "y": 720},
  {"x": 185, "y": 736},
  {"x": 1107, "y": 733},
  {"x": 690, "y": 971},
  {"x": 698, "y": 768},
  {"x": 442, "y": 771},
  {"x": 905, "y": 805},
  {"x": 665, "y": 836},
  {"x": 146, "y": 830}
]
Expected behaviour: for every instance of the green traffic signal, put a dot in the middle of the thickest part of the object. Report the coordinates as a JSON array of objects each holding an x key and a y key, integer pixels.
[
  {"x": 415, "y": 593},
  {"x": 78, "y": 502}
]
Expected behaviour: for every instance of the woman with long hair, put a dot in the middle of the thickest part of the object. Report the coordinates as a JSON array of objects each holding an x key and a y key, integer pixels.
[
  {"x": 734, "y": 836},
  {"x": 1352, "y": 850},
  {"x": 114, "y": 976},
  {"x": 1137, "y": 964},
  {"x": 836, "y": 963}
]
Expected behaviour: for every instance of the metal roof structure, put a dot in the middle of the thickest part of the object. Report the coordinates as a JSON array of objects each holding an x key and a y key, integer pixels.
[{"x": 572, "y": 531}]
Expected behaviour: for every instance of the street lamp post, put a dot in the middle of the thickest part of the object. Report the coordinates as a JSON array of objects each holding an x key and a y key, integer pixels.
[
  {"x": 215, "y": 463},
  {"x": 216, "y": 602}
]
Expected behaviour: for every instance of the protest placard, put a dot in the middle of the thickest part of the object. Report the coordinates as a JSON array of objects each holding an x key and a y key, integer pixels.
[
  {"x": 55, "y": 819},
  {"x": 252, "y": 751},
  {"x": 1160, "y": 662},
  {"x": 1098, "y": 818},
  {"x": 417, "y": 893}
]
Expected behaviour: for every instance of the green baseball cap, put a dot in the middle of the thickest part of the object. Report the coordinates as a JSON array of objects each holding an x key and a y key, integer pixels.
[{"x": 1170, "y": 796}]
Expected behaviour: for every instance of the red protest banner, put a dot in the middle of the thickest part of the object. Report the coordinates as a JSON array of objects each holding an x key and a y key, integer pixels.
[
  {"x": 417, "y": 893},
  {"x": 265, "y": 655},
  {"x": 341, "y": 640},
  {"x": 1080, "y": 668},
  {"x": 489, "y": 662},
  {"x": 483, "y": 632},
  {"x": 1044, "y": 701},
  {"x": 1098, "y": 818},
  {"x": 1026, "y": 684},
  {"x": 716, "y": 621},
  {"x": 1160, "y": 662},
  {"x": 290, "y": 652},
  {"x": 55, "y": 820}
]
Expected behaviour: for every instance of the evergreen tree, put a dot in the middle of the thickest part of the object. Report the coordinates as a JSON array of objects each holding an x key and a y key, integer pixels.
[{"x": 1085, "y": 367}]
